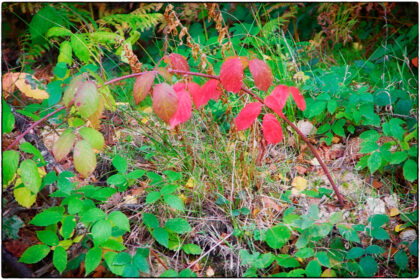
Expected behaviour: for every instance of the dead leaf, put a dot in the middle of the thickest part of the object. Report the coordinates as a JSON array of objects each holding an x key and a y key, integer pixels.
[
  {"x": 305, "y": 127},
  {"x": 315, "y": 162},
  {"x": 299, "y": 183},
  {"x": 376, "y": 184},
  {"x": 300, "y": 169},
  {"x": 209, "y": 272},
  {"x": 270, "y": 204},
  {"x": 190, "y": 183},
  {"x": 394, "y": 212},
  {"x": 26, "y": 83}
]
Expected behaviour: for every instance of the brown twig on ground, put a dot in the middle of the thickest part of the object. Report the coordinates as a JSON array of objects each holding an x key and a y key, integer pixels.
[{"x": 158, "y": 259}]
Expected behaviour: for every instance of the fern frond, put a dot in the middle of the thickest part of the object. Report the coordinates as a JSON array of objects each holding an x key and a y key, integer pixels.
[{"x": 134, "y": 20}]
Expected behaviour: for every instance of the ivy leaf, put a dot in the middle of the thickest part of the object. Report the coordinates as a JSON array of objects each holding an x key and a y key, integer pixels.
[
  {"x": 63, "y": 145},
  {"x": 30, "y": 175},
  {"x": 120, "y": 220},
  {"x": 34, "y": 254},
  {"x": 298, "y": 97},
  {"x": 84, "y": 158},
  {"x": 93, "y": 137},
  {"x": 247, "y": 115},
  {"x": 261, "y": 73},
  {"x": 87, "y": 99},
  {"x": 93, "y": 259},
  {"x": 177, "y": 62},
  {"x": 60, "y": 259},
  {"x": 143, "y": 86},
  {"x": 165, "y": 101},
  {"x": 231, "y": 74},
  {"x": 272, "y": 130},
  {"x": 277, "y": 99},
  {"x": 183, "y": 112}
]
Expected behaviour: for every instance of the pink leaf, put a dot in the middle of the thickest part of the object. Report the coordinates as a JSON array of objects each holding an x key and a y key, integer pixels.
[
  {"x": 165, "y": 101},
  {"x": 183, "y": 112},
  {"x": 272, "y": 129},
  {"x": 231, "y": 74},
  {"x": 143, "y": 86},
  {"x": 247, "y": 115},
  {"x": 195, "y": 91},
  {"x": 178, "y": 86},
  {"x": 262, "y": 74},
  {"x": 277, "y": 99},
  {"x": 177, "y": 62},
  {"x": 299, "y": 99},
  {"x": 210, "y": 90}
]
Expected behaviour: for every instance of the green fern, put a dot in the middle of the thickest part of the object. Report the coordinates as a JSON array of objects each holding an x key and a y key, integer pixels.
[{"x": 137, "y": 20}]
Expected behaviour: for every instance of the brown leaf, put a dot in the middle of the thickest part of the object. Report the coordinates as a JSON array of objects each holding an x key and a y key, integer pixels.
[
  {"x": 300, "y": 169},
  {"x": 270, "y": 204}
]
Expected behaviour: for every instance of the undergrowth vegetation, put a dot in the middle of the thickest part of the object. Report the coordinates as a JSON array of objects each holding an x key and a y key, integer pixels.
[{"x": 147, "y": 140}]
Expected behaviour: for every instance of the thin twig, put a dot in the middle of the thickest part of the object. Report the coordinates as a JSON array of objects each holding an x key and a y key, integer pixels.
[{"x": 158, "y": 259}]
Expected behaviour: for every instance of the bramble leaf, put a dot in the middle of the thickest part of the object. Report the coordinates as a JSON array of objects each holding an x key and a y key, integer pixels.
[
  {"x": 231, "y": 74},
  {"x": 211, "y": 90},
  {"x": 71, "y": 89},
  {"x": 247, "y": 115},
  {"x": 183, "y": 112},
  {"x": 87, "y": 99},
  {"x": 84, "y": 158},
  {"x": 261, "y": 73},
  {"x": 177, "y": 62},
  {"x": 298, "y": 97},
  {"x": 63, "y": 145},
  {"x": 165, "y": 101},
  {"x": 277, "y": 99},
  {"x": 93, "y": 137},
  {"x": 272, "y": 130},
  {"x": 143, "y": 86}
]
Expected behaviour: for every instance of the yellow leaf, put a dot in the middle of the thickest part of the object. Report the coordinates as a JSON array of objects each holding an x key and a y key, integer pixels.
[
  {"x": 394, "y": 212},
  {"x": 190, "y": 183},
  {"x": 299, "y": 183},
  {"x": 65, "y": 243},
  {"x": 41, "y": 171},
  {"x": 26, "y": 83},
  {"x": 144, "y": 120},
  {"x": 148, "y": 110},
  {"x": 329, "y": 273},
  {"x": 23, "y": 195},
  {"x": 78, "y": 238},
  {"x": 399, "y": 228},
  {"x": 335, "y": 140}
]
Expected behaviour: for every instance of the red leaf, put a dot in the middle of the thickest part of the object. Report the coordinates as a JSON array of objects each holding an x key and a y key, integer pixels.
[
  {"x": 277, "y": 99},
  {"x": 195, "y": 91},
  {"x": 247, "y": 115},
  {"x": 165, "y": 101},
  {"x": 183, "y": 112},
  {"x": 177, "y": 62},
  {"x": 231, "y": 74},
  {"x": 299, "y": 99},
  {"x": 143, "y": 86},
  {"x": 262, "y": 74},
  {"x": 210, "y": 90},
  {"x": 272, "y": 129},
  {"x": 178, "y": 86}
]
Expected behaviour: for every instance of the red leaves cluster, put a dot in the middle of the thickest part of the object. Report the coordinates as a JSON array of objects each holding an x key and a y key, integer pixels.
[{"x": 173, "y": 104}]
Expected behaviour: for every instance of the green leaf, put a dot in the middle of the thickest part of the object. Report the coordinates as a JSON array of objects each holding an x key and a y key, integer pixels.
[
  {"x": 141, "y": 263},
  {"x": 116, "y": 180},
  {"x": 295, "y": 273},
  {"x": 92, "y": 215},
  {"x": 93, "y": 259},
  {"x": 355, "y": 253},
  {"x": 380, "y": 234},
  {"x": 338, "y": 127},
  {"x": 72, "y": 88},
  {"x": 374, "y": 162},
  {"x": 60, "y": 259},
  {"x": 168, "y": 189},
  {"x": 410, "y": 170},
  {"x": 120, "y": 220},
  {"x": 370, "y": 135},
  {"x": 58, "y": 32},
  {"x": 174, "y": 201},
  {"x": 80, "y": 47},
  {"x": 305, "y": 253},
  {"x": 155, "y": 178},
  {"x": 84, "y": 158},
  {"x": 113, "y": 245},
  {"x": 86, "y": 99},
  {"x": 161, "y": 236},
  {"x": 101, "y": 231},
  {"x": 63, "y": 145},
  {"x": 277, "y": 236},
  {"x": 109, "y": 259},
  {"x": 143, "y": 252},
  {"x": 30, "y": 175},
  {"x": 395, "y": 128},
  {"x": 65, "y": 54},
  {"x": 192, "y": 249},
  {"x": 69, "y": 224},
  {"x": 55, "y": 91},
  {"x": 170, "y": 273},
  {"x": 369, "y": 266},
  {"x": 178, "y": 225},
  {"x": 47, "y": 237},
  {"x": 8, "y": 119},
  {"x": 187, "y": 273},
  {"x": 122, "y": 258},
  {"x": 287, "y": 261},
  {"x": 378, "y": 220},
  {"x": 10, "y": 165},
  {"x": 46, "y": 218},
  {"x": 120, "y": 164},
  {"x": 368, "y": 147},
  {"x": 374, "y": 249},
  {"x": 323, "y": 259},
  {"x": 150, "y": 220},
  {"x": 398, "y": 157},
  {"x": 34, "y": 254},
  {"x": 94, "y": 137},
  {"x": 332, "y": 106},
  {"x": 131, "y": 271},
  {"x": 152, "y": 197},
  {"x": 348, "y": 233},
  {"x": 313, "y": 269},
  {"x": 75, "y": 205},
  {"x": 138, "y": 173}
]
